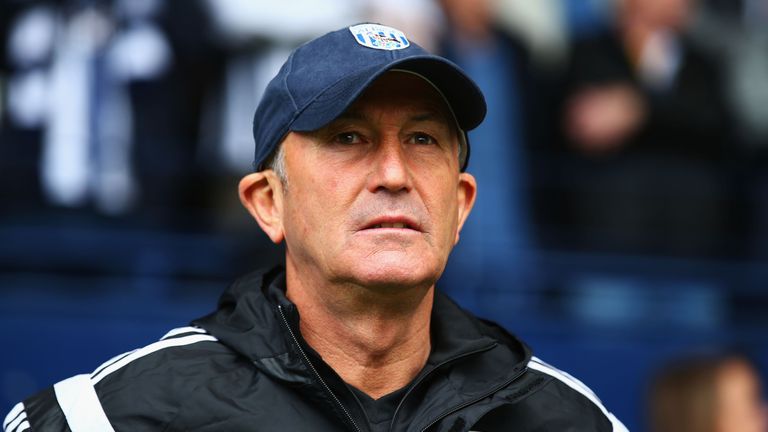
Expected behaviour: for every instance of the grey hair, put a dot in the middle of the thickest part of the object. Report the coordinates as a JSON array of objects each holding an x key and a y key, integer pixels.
[{"x": 276, "y": 162}]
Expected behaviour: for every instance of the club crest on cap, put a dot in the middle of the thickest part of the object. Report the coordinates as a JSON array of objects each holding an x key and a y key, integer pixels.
[{"x": 379, "y": 37}]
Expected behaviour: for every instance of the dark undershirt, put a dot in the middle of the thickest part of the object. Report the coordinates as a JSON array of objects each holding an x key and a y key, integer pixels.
[{"x": 379, "y": 411}]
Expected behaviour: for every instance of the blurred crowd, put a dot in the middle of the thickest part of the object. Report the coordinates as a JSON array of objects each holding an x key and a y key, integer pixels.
[
  {"x": 635, "y": 127},
  {"x": 632, "y": 126}
]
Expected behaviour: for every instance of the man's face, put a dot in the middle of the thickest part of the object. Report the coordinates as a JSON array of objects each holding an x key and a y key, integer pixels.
[{"x": 376, "y": 197}]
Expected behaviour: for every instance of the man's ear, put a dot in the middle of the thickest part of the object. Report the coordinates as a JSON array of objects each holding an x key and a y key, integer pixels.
[
  {"x": 261, "y": 193},
  {"x": 467, "y": 192}
]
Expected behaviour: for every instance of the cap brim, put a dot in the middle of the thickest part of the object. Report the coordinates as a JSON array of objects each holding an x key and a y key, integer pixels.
[{"x": 464, "y": 97}]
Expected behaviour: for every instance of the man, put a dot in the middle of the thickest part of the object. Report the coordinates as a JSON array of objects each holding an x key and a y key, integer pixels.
[{"x": 360, "y": 151}]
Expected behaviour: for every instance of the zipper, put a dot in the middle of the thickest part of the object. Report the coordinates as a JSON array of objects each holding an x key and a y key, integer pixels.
[
  {"x": 423, "y": 377},
  {"x": 317, "y": 374},
  {"x": 466, "y": 404}
]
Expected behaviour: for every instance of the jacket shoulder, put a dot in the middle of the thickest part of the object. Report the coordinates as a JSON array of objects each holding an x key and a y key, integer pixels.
[
  {"x": 142, "y": 389},
  {"x": 574, "y": 398},
  {"x": 548, "y": 399}
]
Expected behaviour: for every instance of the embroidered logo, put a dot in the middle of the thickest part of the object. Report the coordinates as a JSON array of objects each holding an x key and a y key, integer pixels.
[{"x": 379, "y": 37}]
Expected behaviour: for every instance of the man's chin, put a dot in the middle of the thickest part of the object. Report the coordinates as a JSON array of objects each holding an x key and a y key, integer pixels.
[{"x": 395, "y": 276}]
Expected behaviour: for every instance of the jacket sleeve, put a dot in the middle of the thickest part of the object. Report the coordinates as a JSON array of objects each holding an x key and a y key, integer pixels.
[
  {"x": 70, "y": 405},
  {"x": 42, "y": 409},
  {"x": 139, "y": 390}
]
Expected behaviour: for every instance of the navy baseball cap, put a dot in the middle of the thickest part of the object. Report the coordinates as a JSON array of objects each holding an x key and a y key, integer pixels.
[{"x": 323, "y": 77}]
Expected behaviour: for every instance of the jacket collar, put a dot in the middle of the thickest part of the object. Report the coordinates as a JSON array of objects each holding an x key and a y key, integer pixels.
[
  {"x": 256, "y": 320},
  {"x": 248, "y": 321}
]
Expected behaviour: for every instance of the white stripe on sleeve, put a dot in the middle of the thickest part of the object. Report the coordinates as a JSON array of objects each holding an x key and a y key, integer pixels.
[
  {"x": 15, "y": 418},
  {"x": 149, "y": 349},
  {"x": 16, "y": 423},
  {"x": 23, "y": 426},
  {"x": 171, "y": 333},
  {"x": 17, "y": 413},
  {"x": 109, "y": 362},
  {"x": 570, "y": 381},
  {"x": 80, "y": 404},
  {"x": 573, "y": 381},
  {"x": 180, "y": 330}
]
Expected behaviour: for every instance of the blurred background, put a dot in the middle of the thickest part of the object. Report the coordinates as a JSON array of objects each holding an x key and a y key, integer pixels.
[{"x": 622, "y": 215}]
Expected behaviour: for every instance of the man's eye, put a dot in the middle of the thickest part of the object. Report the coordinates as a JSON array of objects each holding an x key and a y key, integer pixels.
[
  {"x": 422, "y": 138},
  {"x": 347, "y": 138}
]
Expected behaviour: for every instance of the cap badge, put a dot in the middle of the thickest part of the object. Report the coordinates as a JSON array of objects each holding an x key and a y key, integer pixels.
[{"x": 379, "y": 37}]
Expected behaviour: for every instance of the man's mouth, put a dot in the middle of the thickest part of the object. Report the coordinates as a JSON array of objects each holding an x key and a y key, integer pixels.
[
  {"x": 390, "y": 225},
  {"x": 397, "y": 222}
]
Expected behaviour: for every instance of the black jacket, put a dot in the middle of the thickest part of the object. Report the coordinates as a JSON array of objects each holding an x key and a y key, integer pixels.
[{"x": 246, "y": 368}]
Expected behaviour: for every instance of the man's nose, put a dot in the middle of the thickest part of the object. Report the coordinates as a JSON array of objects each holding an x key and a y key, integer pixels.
[{"x": 391, "y": 171}]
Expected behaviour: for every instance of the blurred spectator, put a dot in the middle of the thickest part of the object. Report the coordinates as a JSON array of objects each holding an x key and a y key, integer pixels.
[
  {"x": 708, "y": 395},
  {"x": 541, "y": 26},
  {"x": 496, "y": 250},
  {"x": 737, "y": 32},
  {"x": 26, "y": 30},
  {"x": 644, "y": 133},
  {"x": 101, "y": 99}
]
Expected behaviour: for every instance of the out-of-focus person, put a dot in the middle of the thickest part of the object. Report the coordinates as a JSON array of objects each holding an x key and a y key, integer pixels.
[
  {"x": 496, "y": 248},
  {"x": 609, "y": 106},
  {"x": 644, "y": 130},
  {"x": 720, "y": 394},
  {"x": 736, "y": 31}
]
